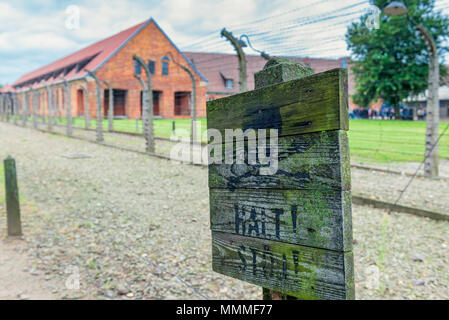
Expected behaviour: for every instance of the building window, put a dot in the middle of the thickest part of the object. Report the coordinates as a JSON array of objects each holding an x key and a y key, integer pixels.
[
  {"x": 164, "y": 68},
  {"x": 344, "y": 64},
  {"x": 151, "y": 66},
  {"x": 137, "y": 67},
  {"x": 229, "y": 83},
  {"x": 182, "y": 103}
]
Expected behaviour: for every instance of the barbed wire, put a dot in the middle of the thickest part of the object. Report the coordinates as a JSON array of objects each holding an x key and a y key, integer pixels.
[{"x": 429, "y": 153}]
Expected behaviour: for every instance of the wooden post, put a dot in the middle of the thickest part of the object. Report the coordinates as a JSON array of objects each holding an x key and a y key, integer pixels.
[
  {"x": 12, "y": 198},
  {"x": 173, "y": 127},
  {"x": 287, "y": 229}
]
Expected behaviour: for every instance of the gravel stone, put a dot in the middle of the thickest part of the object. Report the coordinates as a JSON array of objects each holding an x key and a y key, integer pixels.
[{"x": 121, "y": 216}]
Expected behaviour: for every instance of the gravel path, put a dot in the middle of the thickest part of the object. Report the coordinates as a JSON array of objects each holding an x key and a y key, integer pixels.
[
  {"x": 421, "y": 193},
  {"x": 408, "y": 167},
  {"x": 135, "y": 226},
  {"x": 16, "y": 281}
]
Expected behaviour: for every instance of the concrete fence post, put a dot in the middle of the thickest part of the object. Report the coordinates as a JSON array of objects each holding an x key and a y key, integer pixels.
[
  {"x": 86, "y": 106},
  {"x": 1, "y": 106},
  {"x": 24, "y": 109},
  {"x": 99, "y": 113},
  {"x": 42, "y": 105},
  {"x": 110, "y": 106},
  {"x": 12, "y": 198},
  {"x": 15, "y": 105},
  {"x": 55, "y": 106},
  {"x": 148, "y": 130},
  {"x": 49, "y": 107},
  {"x": 8, "y": 108},
  {"x": 193, "y": 127},
  {"x": 68, "y": 106},
  {"x": 33, "y": 104},
  {"x": 238, "y": 47}
]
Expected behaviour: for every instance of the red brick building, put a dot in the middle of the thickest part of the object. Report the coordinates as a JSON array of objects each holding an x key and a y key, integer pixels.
[
  {"x": 112, "y": 61},
  {"x": 222, "y": 73},
  {"x": 216, "y": 74}
]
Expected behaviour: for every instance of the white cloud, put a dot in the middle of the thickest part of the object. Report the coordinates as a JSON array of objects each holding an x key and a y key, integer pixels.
[{"x": 36, "y": 31}]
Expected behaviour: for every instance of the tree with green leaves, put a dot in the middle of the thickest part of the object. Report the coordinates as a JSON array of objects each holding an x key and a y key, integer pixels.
[{"x": 392, "y": 62}]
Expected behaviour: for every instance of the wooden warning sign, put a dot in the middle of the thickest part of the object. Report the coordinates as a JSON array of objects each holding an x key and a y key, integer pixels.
[{"x": 287, "y": 230}]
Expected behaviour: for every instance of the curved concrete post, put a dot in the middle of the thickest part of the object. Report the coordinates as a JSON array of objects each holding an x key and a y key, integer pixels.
[
  {"x": 8, "y": 107},
  {"x": 33, "y": 106},
  {"x": 241, "y": 55},
  {"x": 86, "y": 105},
  {"x": 24, "y": 108},
  {"x": 433, "y": 106},
  {"x": 193, "y": 133},
  {"x": 148, "y": 130},
  {"x": 110, "y": 107},
  {"x": 49, "y": 107},
  {"x": 15, "y": 109},
  {"x": 1, "y": 106},
  {"x": 55, "y": 105},
  {"x": 42, "y": 105},
  {"x": 144, "y": 95},
  {"x": 68, "y": 106},
  {"x": 99, "y": 113}
]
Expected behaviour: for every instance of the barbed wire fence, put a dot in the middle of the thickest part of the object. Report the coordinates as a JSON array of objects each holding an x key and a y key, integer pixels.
[{"x": 49, "y": 105}]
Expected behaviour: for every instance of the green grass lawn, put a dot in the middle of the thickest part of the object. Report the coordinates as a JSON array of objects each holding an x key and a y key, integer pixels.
[
  {"x": 162, "y": 127},
  {"x": 387, "y": 141},
  {"x": 377, "y": 141}
]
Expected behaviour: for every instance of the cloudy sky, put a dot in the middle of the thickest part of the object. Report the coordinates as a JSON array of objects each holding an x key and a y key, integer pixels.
[{"x": 35, "y": 33}]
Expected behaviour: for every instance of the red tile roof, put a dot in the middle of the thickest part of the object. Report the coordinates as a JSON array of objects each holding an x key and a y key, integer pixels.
[
  {"x": 217, "y": 66},
  {"x": 7, "y": 88},
  {"x": 99, "y": 52}
]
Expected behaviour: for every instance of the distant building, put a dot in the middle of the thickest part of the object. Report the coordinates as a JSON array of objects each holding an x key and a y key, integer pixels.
[
  {"x": 421, "y": 102},
  {"x": 6, "y": 93},
  {"x": 216, "y": 75},
  {"x": 222, "y": 70},
  {"x": 112, "y": 61}
]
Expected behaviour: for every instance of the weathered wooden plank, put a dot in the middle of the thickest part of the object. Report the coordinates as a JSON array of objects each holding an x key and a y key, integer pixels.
[
  {"x": 314, "y": 218},
  {"x": 299, "y": 271},
  {"x": 310, "y": 161},
  {"x": 310, "y": 104}
]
